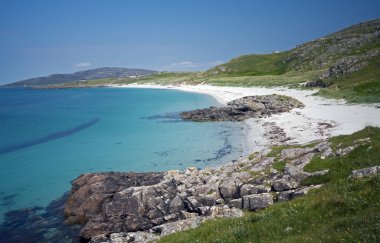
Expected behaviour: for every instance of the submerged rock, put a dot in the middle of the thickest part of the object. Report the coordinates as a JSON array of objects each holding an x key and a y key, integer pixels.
[{"x": 244, "y": 108}]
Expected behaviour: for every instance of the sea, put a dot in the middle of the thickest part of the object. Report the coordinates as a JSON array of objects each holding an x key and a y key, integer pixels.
[{"x": 48, "y": 137}]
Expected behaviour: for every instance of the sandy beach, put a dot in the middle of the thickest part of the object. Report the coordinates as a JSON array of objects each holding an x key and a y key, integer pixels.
[{"x": 321, "y": 118}]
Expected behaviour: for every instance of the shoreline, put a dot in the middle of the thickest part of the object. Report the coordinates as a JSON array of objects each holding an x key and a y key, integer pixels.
[{"x": 321, "y": 118}]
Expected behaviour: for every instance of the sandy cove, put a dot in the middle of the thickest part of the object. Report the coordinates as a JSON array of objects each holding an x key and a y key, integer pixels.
[{"x": 321, "y": 118}]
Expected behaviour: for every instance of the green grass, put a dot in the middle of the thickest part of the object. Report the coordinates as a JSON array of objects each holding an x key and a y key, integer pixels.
[
  {"x": 252, "y": 65},
  {"x": 279, "y": 166},
  {"x": 290, "y": 79},
  {"x": 287, "y": 79},
  {"x": 359, "y": 87},
  {"x": 343, "y": 210}
]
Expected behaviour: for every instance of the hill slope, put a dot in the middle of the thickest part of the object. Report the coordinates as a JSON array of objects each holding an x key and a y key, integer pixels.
[
  {"x": 98, "y": 73},
  {"x": 342, "y": 52}
]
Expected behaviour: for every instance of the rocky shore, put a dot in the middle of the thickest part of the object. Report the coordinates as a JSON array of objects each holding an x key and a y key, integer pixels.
[
  {"x": 142, "y": 207},
  {"x": 244, "y": 108}
]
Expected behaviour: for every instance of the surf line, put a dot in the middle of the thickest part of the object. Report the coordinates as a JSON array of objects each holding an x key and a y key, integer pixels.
[{"x": 49, "y": 137}]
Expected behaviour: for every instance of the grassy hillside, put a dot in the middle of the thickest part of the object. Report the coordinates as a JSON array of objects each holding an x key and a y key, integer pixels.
[
  {"x": 343, "y": 209},
  {"x": 252, "y": 65}
]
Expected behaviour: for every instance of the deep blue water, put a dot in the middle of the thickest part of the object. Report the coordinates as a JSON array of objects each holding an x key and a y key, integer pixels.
[{"x": 49, "y": 137}]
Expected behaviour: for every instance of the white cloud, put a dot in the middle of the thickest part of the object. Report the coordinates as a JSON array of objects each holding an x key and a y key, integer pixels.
[
  {"x": 185, "y": 64},
  {"x": 191, "y": 66},
  {"x": 216, "y": 63},
  {"x": 83, "y": 65}
]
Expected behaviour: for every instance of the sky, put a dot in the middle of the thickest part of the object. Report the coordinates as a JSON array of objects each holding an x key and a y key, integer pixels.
[{"x": 43, "y": 37}]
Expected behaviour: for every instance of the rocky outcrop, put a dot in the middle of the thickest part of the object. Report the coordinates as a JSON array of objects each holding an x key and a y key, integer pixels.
[
  {"x": 141, "y": 207},
  {"x": 340, "y": 51},
  {"x": 244, "y": 108},
  {"x": 346, "y": 150},
  {"x": 370, "y": 171},
  {"x": 349, "y": 64}
]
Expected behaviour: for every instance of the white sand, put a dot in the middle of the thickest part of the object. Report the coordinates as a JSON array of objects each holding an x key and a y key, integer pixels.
[{"x": 302, "y": 125}]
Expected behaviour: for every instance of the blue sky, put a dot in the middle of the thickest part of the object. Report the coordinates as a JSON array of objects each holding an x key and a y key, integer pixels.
[{"x": 42, "y": 37}]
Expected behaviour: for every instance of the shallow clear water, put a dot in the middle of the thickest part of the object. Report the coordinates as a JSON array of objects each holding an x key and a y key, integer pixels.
[{"x": 49, "y": 137}]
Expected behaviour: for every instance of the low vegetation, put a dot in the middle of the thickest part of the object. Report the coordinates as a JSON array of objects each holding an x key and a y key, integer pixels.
[
  {"x": 342, "y": 210},
  {"x": 252, "y": 65}
]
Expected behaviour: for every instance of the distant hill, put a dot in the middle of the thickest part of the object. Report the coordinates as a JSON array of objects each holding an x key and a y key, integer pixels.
[{"x": 97, "y": 73}]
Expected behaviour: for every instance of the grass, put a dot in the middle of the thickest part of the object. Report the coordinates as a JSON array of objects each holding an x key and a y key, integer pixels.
[
  {"x": 343, "y": 210},
  {"x": 252, "y": 65},
  {"x": 286, "y": 79},
  {"x": 279, "y": 166}
]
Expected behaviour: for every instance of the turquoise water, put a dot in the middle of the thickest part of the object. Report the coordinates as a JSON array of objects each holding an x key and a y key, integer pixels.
[{"x": 50, "y": 137}]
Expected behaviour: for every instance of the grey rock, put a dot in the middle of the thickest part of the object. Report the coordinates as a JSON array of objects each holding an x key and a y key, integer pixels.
[
  {"x": 177, "y": 226},
  {"x": 285, "y": 195},
  {"x": 323, "y": 146},
  {"x": 327, "y": 153},
  {"x": 220, "y": 211},
  {"x": 236, "y": 203},
  {"x": 248, "y": 189},
  {"x": 262, "y": 164},
  {"x": 344, "y": 151},
  {"x": 229, "y": 188},
  {"x": 318, "y": 83},
  {"x": 284, "y": 185},
  {"x": 370, "y": 171},
  {"x": 295, "y": 152},
  {"x": 219, "y": 201},
  {"x": 224, "y": 211},
  {"x": 319, "y": 173},
  {"x": 304, "y": 190},
  {"x": 257, "y": 201},
  {"x": 123, "y": 237},
  {"x": 292, "y": 194},
  {"x": 292, "y": 170},
  {"x": 244, "y": 108},
  {"x": 176, "y": 205}
]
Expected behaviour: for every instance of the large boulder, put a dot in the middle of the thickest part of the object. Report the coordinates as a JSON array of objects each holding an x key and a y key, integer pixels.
[
  {"x": 248, "y": 189},
  {"x": 257, "y": 201},
  {"x": 284, "y": 185},
  {"x": 229, "y": 188},
  {"x": 90, "y": 191}
]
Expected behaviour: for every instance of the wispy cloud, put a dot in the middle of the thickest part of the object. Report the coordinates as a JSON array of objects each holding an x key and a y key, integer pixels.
[
  {"x": 185, "y": 64},
  {"x": 83, "y": 65},
  {"x": 191, "y": 66},
  {"x": 215, "y": 63}
]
